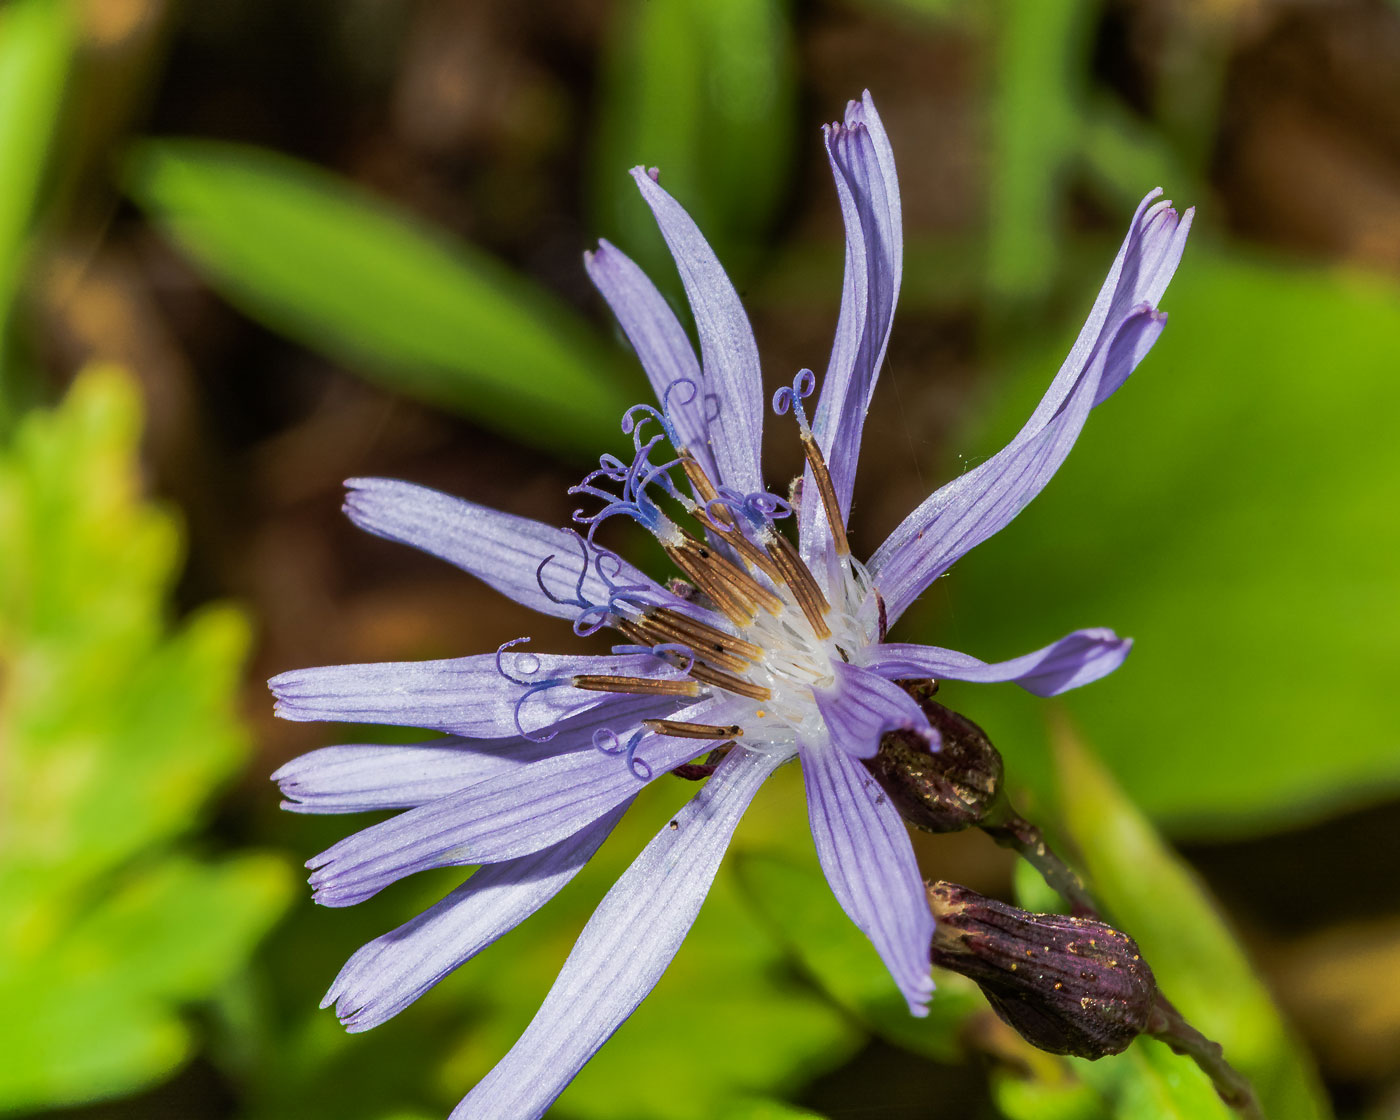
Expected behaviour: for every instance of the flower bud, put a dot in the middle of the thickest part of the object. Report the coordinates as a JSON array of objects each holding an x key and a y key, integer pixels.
[
  {"x": 946, "y": 790},
  {"x": 1067, "y": 985}
]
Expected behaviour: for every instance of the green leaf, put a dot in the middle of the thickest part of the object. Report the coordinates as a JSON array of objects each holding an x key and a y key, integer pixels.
[
  {"x": 1035, "y": 104},
  {"x": 1226, "y": 510},
  {"x": 102, "y": 1023},
  {"x": 766, "y": 1110},
  {"x": 795, "y": 900},
  {"x": 705, "y": 90},
  {"x": 315, "y": 258},
  {"x": 935, "y": 11},
  {"x": 36, "y": 47},
  {"x": 116, "y": 732},
  {"x": 1146, "y": 1082},
  {"x": 1200, "y": 967},
  {"x": 1127, "y": 155}
]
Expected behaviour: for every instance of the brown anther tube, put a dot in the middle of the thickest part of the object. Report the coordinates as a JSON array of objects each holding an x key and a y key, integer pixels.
[
  {"x": 639, "y": 686},
  {"x": 803, "y": 584},
  {"x": 722, "y": 521},
  {"x": 737, "y": 685},
  {"x": 738, "y": 608},
  {"x": 649, "y": 632},
  {"x": 680, "y": 730},
  {"x": 750, "y": 552},
  {"x": 734, "y": 576},
  {"x": 702, "y": 632},
  {"x": 827, "y": 489},
  {"x": 704, "y": 488}
]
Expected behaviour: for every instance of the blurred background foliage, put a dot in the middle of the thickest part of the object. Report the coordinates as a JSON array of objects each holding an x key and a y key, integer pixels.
[{"x": 249, "y": 249}]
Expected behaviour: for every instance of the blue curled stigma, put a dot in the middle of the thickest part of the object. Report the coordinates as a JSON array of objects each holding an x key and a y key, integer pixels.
[
  {"x": 756, "y": 511},
  {"x": 624, "y": 599},
  {"x": 803, "y": 385},
  {"x": 632, "y": 426},
  {"x": 665, "y": 416},
  {"x": 636, "y": 480},
  {"x": 683, "y": 383},
  {"x": 527, "y": 664},
  {"x": 578, "y": 600},
  {"x": 607, "y": 741}
]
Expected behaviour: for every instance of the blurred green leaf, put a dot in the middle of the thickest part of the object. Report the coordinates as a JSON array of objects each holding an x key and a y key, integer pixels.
[
  {"x": 1041, "y": 52},
  {"x": 1146, "y": 1082},
  {"x": 312, "y": 256},
  {"x": 961, "y": 11},
  {"x": 795, "y": 900},
  {"x": 1230, "y": 509},
  {"x": 1199, "y": 966},
  {"x": 705, "y": 90},
  {"x": 1127, "y": 155},
  {"x": 36, "y": 46},
  {"x": 115, "y": 734},
  {"x": 1033, "y": 893},
  {"x": 766, "y": 1110}
]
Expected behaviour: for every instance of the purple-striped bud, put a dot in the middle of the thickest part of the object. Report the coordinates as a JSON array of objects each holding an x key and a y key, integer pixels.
[{"x": 1067, "y": 985}]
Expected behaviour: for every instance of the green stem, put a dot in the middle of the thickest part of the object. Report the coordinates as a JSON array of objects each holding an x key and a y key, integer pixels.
[{"x": 1167, "y": 1025}]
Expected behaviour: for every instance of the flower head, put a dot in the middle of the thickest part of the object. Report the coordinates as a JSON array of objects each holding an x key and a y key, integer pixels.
[{"x": 764, "y": 650}]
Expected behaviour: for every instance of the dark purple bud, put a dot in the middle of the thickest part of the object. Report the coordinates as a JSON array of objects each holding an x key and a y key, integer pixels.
[
  {"x": 1067, "y": 985},
  {"x": 946, "y": 790}
]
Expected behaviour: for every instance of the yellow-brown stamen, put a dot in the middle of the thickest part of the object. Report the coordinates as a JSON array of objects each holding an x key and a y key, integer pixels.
[
  {"x": 750, "y": 552},
  {"x": 827, "y": 489},
  {"x": 647, "y": 632},
  {"x": 681, "y": 730},
  {"x": 698, "y": 478},
  {"x": 721, "y": 519},
  {"x": 737, "y": 685},
  {"x": 738, "y": 608},
  {"x": 703, "y": 633},
  {"x": 802, "y": 583},
  {"x": 735, "y": 576},
  {"x": 640, "y": 686}
]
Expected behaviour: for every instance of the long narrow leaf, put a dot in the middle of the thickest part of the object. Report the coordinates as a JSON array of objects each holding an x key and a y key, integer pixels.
[
  {"x": 1197, "y": 961},
  {"x": 313, "y": 257}
]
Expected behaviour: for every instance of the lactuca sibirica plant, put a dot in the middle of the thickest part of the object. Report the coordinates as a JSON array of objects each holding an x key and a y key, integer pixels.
[{"x": 769, "y": 646}]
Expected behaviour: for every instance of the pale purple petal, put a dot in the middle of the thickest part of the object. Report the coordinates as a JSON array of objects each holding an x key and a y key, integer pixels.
[
  {"x": 1077, "y": 659},
  {"x": 1140, "y": 273},
  {"x": 390, "y": 972},
  {"x": 503, "y": 817},
  {"x": 733, "y": 381},
  {"x": 362, "y": 777},
  {"x": 359, "y": 777},
  {"x": 660, "y": 342},
  {"x": 862, "y": 164},
  {"x": 865, "y": 851},
  {"x": 535, "y": 564},
  {"x": 468, "y": 696},
  {"x": 861, "y": 706},
  {"x": 624, "y": 949},
  {"x": 983, "y": 501}
]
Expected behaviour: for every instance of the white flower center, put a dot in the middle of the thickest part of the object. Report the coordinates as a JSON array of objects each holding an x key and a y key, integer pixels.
[{"x": 796, "y": 660}]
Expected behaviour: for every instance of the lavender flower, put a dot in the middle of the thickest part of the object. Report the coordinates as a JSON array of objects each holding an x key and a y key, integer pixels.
[{"x": 766, "y": 651}]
